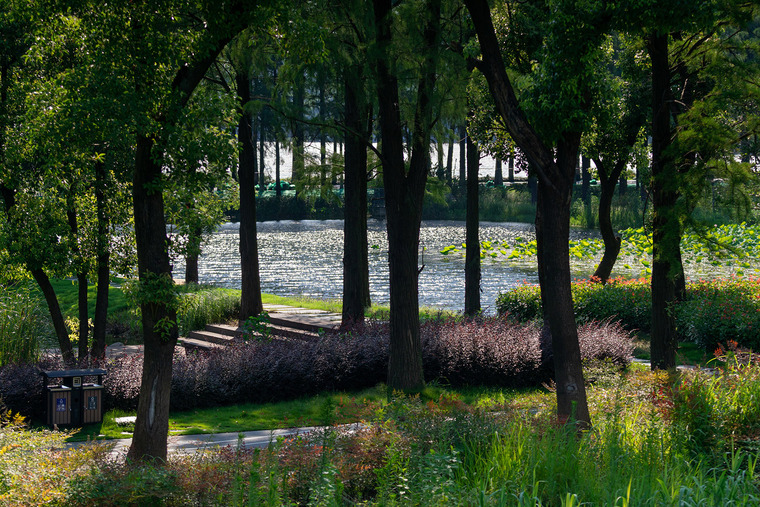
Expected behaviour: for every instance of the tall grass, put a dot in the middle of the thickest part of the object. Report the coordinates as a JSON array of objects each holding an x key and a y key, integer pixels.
[
  {"x": 199, "y": 306},
  {"x": 22, "y": 325}
]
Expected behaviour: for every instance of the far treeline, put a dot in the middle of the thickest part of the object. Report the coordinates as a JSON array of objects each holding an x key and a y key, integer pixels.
[{"x": 117, "y": 119}]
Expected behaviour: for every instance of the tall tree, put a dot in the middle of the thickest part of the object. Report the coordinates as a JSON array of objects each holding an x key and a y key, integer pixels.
[
  {"x": 221, "y": 22},
  {"x": 405, "y": 188},
  {"x": 472, "y": 254},
  {"x": 572, "y": 37}
]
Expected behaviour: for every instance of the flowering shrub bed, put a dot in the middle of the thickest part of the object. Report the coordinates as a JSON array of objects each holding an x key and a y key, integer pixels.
[
  {"x": 713, "y": 312},
  {"x": 484, "y": 352}
]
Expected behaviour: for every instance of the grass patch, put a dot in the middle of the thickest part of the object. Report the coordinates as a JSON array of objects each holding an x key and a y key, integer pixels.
[{"x": 319, "y": 410}]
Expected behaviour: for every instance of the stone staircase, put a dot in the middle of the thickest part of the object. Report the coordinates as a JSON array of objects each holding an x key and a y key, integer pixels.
[{"x": 285, "y": 322}]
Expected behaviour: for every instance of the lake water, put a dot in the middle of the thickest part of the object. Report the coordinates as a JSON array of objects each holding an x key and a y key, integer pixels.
[{"x": 305, "y": 258}]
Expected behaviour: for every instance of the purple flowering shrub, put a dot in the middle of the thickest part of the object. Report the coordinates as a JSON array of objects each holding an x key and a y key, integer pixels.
[{"x": 488, "y": 351}]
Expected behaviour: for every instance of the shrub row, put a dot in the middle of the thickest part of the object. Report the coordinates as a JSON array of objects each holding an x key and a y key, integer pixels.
[
  {"x": 713, "y": 312},
  {"x": 486, "y": 352}
]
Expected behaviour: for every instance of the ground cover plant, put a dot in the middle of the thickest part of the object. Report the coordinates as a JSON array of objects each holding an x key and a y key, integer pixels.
[
  {"x": 490, "y": 351},
  {"x": 713, "y": 312},
  {"x": 657, "y": 439}
]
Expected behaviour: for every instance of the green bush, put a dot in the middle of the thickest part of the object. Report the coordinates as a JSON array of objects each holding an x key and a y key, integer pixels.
[
  {"x": 22, "y": 323},
  {"x": 713, "y": 312}
]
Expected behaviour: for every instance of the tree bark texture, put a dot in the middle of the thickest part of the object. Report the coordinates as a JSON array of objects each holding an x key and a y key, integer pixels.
[
  {"x": 103, "y": 260},
  {"x": 404, "y": 192},
  {"x": 250, "y": 298},
  {"x": 555, "y": 184},
  {"x": 611, "y": 241},
  {"x": 463, "y": 156},
  {"x": 158, "y": 317},
  {"x": 472, "y": 236},
  {"x": 666, "y": 234},
  {"x": 356, "y": 297},
  {"x": 61, "y": 332},
  {"x": 498, "y": 176}
]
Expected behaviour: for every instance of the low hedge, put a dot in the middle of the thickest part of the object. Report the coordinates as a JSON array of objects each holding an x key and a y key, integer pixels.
[
  {"x": 713, "y": 312},
  {"x": 484, "y": 352}
]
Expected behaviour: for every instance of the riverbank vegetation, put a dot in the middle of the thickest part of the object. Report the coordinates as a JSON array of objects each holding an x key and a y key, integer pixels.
[{"x": 657, "y": 440}]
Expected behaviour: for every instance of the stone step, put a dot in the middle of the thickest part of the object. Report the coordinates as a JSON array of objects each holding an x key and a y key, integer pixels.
[
  {"x": 193, "y": 344},
  {"x": 212, "y": 337},
  {"x": 305, "y": 322}
]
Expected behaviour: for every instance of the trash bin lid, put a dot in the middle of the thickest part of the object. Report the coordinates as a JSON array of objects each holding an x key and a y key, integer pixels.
[{"x": 73, "y": 373}]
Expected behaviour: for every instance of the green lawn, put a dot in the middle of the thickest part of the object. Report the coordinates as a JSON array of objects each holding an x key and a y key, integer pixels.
[{"x": 323, "y": 409}]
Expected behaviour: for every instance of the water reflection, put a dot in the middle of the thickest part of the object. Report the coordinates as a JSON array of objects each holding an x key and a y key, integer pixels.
[{"x": 305, "y": 258}]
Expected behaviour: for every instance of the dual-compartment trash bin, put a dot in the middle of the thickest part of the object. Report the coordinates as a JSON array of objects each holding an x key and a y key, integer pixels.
[{"x": 73, "y": 402}]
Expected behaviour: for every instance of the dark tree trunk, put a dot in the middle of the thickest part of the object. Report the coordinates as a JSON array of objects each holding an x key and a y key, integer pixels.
[
  {"x": 611, "y": 240},
  {"x": 622, "y": 184},
  {"x": 277, "y": 187},
  {"x": 299, "y": 99},
  {"x": 450, "y": 163},
  {"x": 356, "y": 297},
  {"x": 585, "y": 181},
  {"x": 498, "y": 177},
  {"x": 322, "y": 133},
  {"x": 103, "y": 263},
  {"x": 552, "y": 233},
  {"x": 404, "y": 192},
  {"x": 440, "y": 172},
  {"x": 511, "y": 173},
  {"x": 552, "y": 219},
  {"x": 666, "y": 234},
  {"x": 250, "y": 298},
  {"x": 48, "y": 292},
  {"x": 193, "y": 254},
  {"x": 158, "y": 317},
  {"x": 83, "y": 347},
  {"x": 61, "y": 332},
  {"x": 83, "y": 331},
  {"x": 472, "y": 253},
  {"x": 463, "y": 156},
  {"x": 532, "y": 187}
]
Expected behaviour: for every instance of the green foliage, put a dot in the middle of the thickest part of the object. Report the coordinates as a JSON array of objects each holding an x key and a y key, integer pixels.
[
  {"x": 257, "y": 327},
  {"x": 23, "y": 322},
  {"x": 714, "y": 311},
  {"x": 657, "y": 440}
]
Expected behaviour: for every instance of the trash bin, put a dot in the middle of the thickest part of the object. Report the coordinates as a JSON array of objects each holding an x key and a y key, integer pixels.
[{"x": 74, "y": 402}]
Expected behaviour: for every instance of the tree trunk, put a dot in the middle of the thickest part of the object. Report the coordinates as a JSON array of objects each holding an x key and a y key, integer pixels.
[
  {"x": 440, "y": 172},
  {"x": 463, "y": 156},
  {"x": 250, "y": 298},
  {"x": 298, "y": 134},
  {"x": 103, "y": 263},
  {"x": 472, "y": 253},
  {"x": 322, "y": 133},
  {"x": 83, "y": 348},
  {"x": 665, "y": 226},
  {"x": 159, "y": 318},
  {"x": 404, "y": 192},
  {"x": 552, "y": 218},
  {"x": 61, "y": 332},
  {"x": 554, "y": 255},
  {"x": 193, "y": 254},
  {"x": 511, "y": 173},
  {"x": 611, "y": 241},
  {"x": 48, "y": 292},
  {"x": 356, "y": 297},
  {"x": 498, "y": 177},
  {"x": 450, "y": 163},
  {"x": 277, "y": 187}
]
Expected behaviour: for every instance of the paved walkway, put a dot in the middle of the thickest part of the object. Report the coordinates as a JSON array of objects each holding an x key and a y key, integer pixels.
[{"x": 192, "y": 443}]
